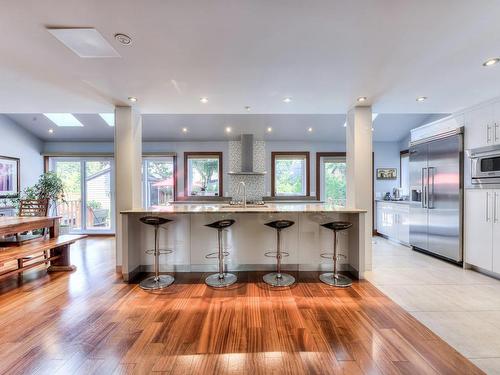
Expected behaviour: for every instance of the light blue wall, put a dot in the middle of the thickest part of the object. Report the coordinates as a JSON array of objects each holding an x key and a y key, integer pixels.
[
  {"x": 386, "y": 156},
  {"x": 19, "y": 143},
  {"x": 177, "y": 147},
  {"x": 312, "y": 147}
]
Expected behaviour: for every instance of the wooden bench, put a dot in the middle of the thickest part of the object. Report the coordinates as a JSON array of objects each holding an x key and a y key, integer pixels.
[{"x": 35, "y": 253}]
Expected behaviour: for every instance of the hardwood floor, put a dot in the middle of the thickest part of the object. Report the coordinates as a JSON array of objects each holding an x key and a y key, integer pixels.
[{"x": 90, "y": 322}]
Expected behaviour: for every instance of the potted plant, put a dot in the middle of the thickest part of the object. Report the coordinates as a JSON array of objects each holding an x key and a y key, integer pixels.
[{"x": 49, "y": 186}]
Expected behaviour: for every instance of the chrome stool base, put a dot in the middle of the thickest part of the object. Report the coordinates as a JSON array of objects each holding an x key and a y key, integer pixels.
[
  {"x": 278, "y": 279},
  {"x": 216, "y": 281},
  {"x": 335, "y": 280},
  {"x": 154, "y": 282}
]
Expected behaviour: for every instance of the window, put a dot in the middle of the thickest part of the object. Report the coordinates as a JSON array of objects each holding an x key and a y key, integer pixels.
[
  {"x": 158, "y": 180},
  {"x": 202, "y": 174},
  {"x": 290, "y": 173},
  {"x": 88, "y": 205},
  {"x": 331, "y": 177},
  {"x": 405, "y": 172}
]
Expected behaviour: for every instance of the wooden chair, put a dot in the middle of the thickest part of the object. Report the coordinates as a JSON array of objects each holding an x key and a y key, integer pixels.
[{"x": 33, "y": 207}]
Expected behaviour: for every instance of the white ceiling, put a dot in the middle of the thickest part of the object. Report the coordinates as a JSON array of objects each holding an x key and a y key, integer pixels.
[
  {"x": 323, "y": 53},
  {"x": 285, "y": 127}
]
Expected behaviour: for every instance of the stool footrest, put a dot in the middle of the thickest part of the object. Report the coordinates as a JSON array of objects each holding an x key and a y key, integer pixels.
[
  {"x": 274, "y": 254},
  {"x": 216, "y": 255},
  {"x": 161, "y": 251},
  {"x": 330, "y": 256}
]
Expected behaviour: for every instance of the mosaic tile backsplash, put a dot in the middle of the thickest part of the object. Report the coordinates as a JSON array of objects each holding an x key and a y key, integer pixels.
[{"x": 255, "y": 184}]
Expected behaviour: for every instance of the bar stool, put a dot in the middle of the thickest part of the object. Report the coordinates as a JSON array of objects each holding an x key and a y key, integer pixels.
[
  {"x": 277, "y": 278},
  {"x": 335, "y": 278},
  {"x": 221, "y": 279},
  {"x": 157, "y": 281}
]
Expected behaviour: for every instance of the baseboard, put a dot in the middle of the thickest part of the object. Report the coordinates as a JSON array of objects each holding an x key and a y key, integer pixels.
[{"x": 248, "y": 267}]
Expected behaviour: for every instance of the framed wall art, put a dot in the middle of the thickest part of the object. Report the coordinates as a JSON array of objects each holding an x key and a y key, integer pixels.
[
  {"x": 9, "y": 176},
  {"x": 387, "y": 173}
]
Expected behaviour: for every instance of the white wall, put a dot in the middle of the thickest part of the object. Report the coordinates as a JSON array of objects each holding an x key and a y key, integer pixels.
[{"x": 18, "y": 143}]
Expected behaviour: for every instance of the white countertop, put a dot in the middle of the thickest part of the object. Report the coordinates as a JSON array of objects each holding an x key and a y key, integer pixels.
[{"x": 269, "y": 208}]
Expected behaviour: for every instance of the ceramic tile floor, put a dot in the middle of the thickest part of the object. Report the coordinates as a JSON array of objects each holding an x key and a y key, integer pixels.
[{"x": 461, "y": 306}]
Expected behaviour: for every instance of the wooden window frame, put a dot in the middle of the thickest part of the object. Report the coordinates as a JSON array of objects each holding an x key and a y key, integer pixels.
[
  {"x": 305, "y": 154},
  {"x": 189, "y": 154},
  {"x": 320, "y": 155}
]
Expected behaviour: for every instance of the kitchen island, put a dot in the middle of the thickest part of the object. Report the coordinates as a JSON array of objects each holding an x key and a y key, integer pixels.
[{"x": 246, "y": 241}]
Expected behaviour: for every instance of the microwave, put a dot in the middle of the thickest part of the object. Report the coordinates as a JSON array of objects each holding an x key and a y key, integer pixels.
[{"x": 485, "y": 165}]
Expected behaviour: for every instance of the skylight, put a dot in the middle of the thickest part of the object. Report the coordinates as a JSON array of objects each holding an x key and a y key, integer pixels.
[
  {"x": 63, "y": 119},
  {"x": 109, "y": 118}
]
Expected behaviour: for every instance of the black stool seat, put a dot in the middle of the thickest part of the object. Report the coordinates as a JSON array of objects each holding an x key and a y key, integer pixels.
[
  {"x": 154, "y": 220},
  {"x": 337, "y": 225},
  {"x": 221, "y": 224},
  {"x": 280, "y": 224}
]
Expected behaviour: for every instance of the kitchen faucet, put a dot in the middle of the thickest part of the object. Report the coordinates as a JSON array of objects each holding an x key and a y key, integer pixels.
[{"x": 244, "y": 193}]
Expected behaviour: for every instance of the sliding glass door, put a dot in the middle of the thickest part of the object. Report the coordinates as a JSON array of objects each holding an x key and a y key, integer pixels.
[{"x": 88, "y": 205}]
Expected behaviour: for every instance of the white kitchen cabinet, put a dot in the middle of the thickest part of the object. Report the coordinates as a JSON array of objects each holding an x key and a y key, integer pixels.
[
  {"x": 403, "y": 219},
  {"x": 496, "y": 123},
  {"x": 481, "y": 221},
  {"x": 480, "y": 127},
  {"x": 393, "y": 220}
]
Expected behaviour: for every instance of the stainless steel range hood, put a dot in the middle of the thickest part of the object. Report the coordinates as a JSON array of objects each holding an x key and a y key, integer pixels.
[{"x": 247, "y": 157}]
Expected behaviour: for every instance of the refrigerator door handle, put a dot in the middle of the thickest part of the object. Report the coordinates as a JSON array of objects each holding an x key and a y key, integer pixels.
[
  {"x": 430, "y": 187},
  {"x": 424, "y": 189}
]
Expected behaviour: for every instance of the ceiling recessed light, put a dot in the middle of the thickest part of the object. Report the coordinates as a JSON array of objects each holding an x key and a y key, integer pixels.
[
  {"x": 132, "y": 99},
  {"x": 269, "y": 129},
  {"x": 123, "y": 39},
  {"x": 287, "y": 99},
  {"x": 184, "y": 130},
  {"x": 85, "y": 42},
  {"x": 51, "y": 130},
  {"x": 204, "y": 100},
  {"x": 421, "y": 98},
  {"x": 309, "y": 130},
  {"x": 492, "y": 61},
  {"x": 247, "y": 108},
  {"x": 228, "y": 129},
  {"x": 109, "y": 118},
  {"x": 361, "y": 99},
  {"x": 63, "y": 119}
]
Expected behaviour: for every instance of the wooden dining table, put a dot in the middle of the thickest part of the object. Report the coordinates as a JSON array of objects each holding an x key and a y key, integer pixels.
[{"x": 18, "y": 224}]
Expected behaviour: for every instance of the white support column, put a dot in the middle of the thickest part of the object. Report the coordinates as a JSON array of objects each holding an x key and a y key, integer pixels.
[
  {"x": 360, "y": 170},
  {"x": 128, "y": 159}
]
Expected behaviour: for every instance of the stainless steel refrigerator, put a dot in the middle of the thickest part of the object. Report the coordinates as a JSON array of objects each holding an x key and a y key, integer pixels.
[{"x": 436, "y": 195}]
